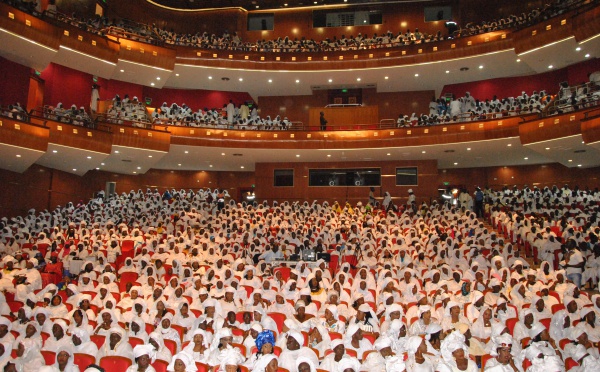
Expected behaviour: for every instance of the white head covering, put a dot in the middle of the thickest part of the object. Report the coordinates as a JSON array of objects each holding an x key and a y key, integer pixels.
[
  {"x": 190, "y": 365},
  {"x": 346, "y": 363},
  {"x": 261, "y": 363},
  {"x": 140, "y": 350}
]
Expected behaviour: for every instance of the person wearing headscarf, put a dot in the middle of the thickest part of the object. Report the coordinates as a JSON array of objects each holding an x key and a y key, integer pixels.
[
  {"x": 182, "y": 362},
  {"x": 79, "y": 320},
  {"x": 220, "y": 347},
  {"x": 354, "y": 340},
  {"x": 160, "y": 350},
  {"x": 482, "y": 328},
  {"x": 455, "y": 355},
  {"x": 266, "y": 363},
  {"x": 199, "y": 347},
  {"x": 143, "y": 355},
  {"x": 32, "y": 331},
  {"x": 82, "y": 343},
  {"x": 137, "y": 329},
  {"x": 29, "y": 358},
  {"x": 231, "y": 359},
  {"x": 319, "y": 339},
  {"x": 65, "y": 360},
  {"x": 376, "y": 362},
  {"x": 523, "y": 326},
  {"x": 425, "y": 318},
  {"x": 116, "y": 344},
  {"x": 417, "y": 360},
  {"x": 57, "y": 309},
  {"x": 109, "y": 320},
  {"x": 294, "y": 350},
  {"x": 305, "y": 364},
  {"x": 589, "y": 324},
  {"x": 503, "y": 360},
  {"x": 265, "y": 344},
  {"x": 167, "y": 331},
  {"x": 59, "y": 338},
  {"x": 348, "y": 364}
]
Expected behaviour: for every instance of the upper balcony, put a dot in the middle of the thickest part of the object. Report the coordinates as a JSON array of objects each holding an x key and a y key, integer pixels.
[{"x": 37, "y": 42}]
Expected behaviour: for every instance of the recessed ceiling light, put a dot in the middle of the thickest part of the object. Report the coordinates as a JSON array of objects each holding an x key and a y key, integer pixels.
[
  {"x": 149, "y": 156},
  {"x": 18, "y": 156},
  {"x": 74, "y": 169},
  {"x": 297, "y": 81},
  {"x": 518, "y": 59},
  {"x": 357, "y": 79},
  {"x": 423, "y": 152},
  {"x": 480, "y": 66},
  {"x": 509, "y": 145},
  {"x": 526, "y": 158},
  {"x": 241, "y": 79},
  {"x": 550, "y": 66},
  {"x": 89, "y": 157},
  {"x": 158, "y": 78},
  {"x": 388, "y": 154},
  {"x": 297, "y": 155},
  {"x": 210, "y": 165},
  {"x": 447, "y": 71},
  {"x": 54, "y": 151},
  {"x": 122, "y": 70},
  {"x": 330, "y": 80},
  {"x": 570, "y": 160},
  {"x": 176, "y": 74},
  {"x": 134, "y": 172},
  {"x": 579, "y": 165},
  {"x": 179, "y": 165},
  {"x": 152, "y": 84},
  {"x": 139, "y": 167},
  {"x": 210, "y": 78},
  {"x": 328, "y": 155},
  {"x": 101, "y": 163},
  {"x": 241, "y": 166},
  {"x": 117, "y": 151},
  {"x": 578, "y": 49},
  {"x": 270, "y": 80},
  {"x": 186, "y": 151},
  {"x": 547, "y": 148},
  {"x": 386, "y": 78},
  {"x": 455, "y": 163},
  {"x": 587, "y": 55},
  {"x": 97, "y": 168},
  {"x": 416, "y": 75},
  {"x": 582, "y": 141},
  {"x": 285, "y": 4},
  {"x": 223, "y": 153},
  {"x": 259, "y": 6},
  {"x": 468, "y": 149}
]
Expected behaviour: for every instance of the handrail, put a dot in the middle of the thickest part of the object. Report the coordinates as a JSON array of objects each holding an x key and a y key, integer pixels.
[
  {"x": 65, "y": 116},
  {"x": 570, "y": 97}
]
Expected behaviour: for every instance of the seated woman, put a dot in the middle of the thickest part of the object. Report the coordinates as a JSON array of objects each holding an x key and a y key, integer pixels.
[
  {"x": 161, "y": 351},
  {"x": 182, "y": 362},
  {"x": 455, "y": 355},
  {"x": 65, "y": 361},
  {"x": 417, "y": 359},
  {"x": 199, "y": 347},
  {"x": 319, "y": 339},
  {"x": 144, "y": 355},
  {"x": 57, "y": 309},
  {"x": 167, "y": 332},
  {"x": 221, "y": 347},
  {"x": 116, "y": 343},
  {"x": 29, "y": 358},
  {"x": 31, "y": 332},
  {"x": 81, "y": 342}
]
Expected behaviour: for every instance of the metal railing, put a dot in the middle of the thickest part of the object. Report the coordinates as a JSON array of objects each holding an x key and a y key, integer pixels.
[{"x": 573, "y": 98}]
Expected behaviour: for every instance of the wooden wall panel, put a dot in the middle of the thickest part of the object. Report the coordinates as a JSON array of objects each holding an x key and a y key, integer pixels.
[
  {"x": 549, "y": 128},
  {"x": 345, "y": 118},
  {"x": 23, "y": 191},
  {"x": 30, "y": 136},
  {"x": 264, "y": 173},
  {"x": 79, "y": 137},
  {"x": 83, "y": 41},
  {"x": 153, "y": 55},
  {"x": 590, "y": 129},
  {"x": 390, "y": 104},
  {"x": 29, "y": 26},
  {"x": 139, "y": 138}
]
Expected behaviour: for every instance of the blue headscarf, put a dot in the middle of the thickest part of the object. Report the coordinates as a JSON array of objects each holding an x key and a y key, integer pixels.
[{"x": 265, "y": 337}]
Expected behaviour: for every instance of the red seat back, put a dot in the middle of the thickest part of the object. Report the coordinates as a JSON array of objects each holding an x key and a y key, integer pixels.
[
  {"x": 98, "y": 340},
  {"x": 160, "y": 365},
  {"x": 83, "y": 360},
  {"x": 49, "y": 357},
  {"x": 115, "y": 363}
]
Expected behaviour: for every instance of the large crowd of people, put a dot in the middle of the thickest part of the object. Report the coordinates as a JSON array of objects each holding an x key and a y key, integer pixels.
[
  {"x": 193, "y": 281},
  {"x": 232, "y": 41}
]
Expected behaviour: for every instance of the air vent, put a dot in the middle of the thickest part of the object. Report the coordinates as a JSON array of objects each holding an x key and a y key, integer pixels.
[
  {"x": 126, "y": 160},
  {"x": 238, "y": 155},
  {"x": 448, "y": 151},
  {"x": 464, "y": 69},
  {"x": 225, "y": 78},
  {"x": 579, "y": 151}
]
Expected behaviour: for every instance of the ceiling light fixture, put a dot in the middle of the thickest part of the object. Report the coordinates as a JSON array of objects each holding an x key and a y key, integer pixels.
[
  {"x": 416, "y": 75},
  {"x": 152, "y": 84},
  {"x": 241, "y": 79},
  {"x": 18, "y": 156},
  {"x": 54, "y": 151},
  {"x": 578, "y": 49},
  {"x": 386, "y": 78},
  {"x": 550, "y": 66}
]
